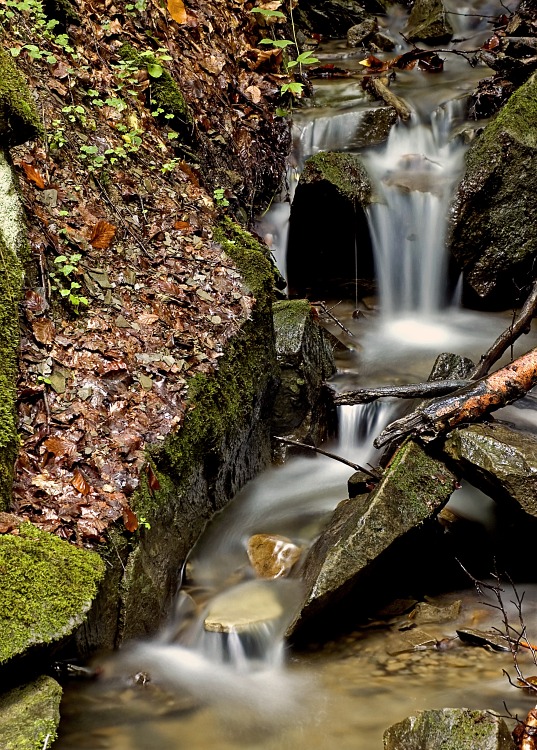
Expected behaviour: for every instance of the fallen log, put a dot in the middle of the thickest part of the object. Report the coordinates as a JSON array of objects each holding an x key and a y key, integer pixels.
[
  {"x": 381, "y": 91},
  {"x": 468, "y": 404},
  {"x": 410, "y": 390}
]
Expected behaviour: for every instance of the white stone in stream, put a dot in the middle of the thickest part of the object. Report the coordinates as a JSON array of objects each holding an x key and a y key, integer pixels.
[
  {"x": 272, "y": 556},
  {"x": 243, "y": 607}
]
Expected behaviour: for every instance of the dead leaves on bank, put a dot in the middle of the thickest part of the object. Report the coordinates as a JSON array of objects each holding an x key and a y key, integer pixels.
[{"x": 427, "y": 61}]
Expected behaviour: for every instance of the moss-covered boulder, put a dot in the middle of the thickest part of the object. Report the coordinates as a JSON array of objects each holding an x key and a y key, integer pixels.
[
  {"x": 499, "y": 460},
  {"x": 450, "y": 729},
  {"x": 429, "y": 23},
  {"x": 29, "y": 715},
  {"x": 366, "y": 535},
  {"x": 493, "y": 235},
  {"x": 47, "y": 587},
  {"x": 305, "y": 357},
  {"x": 19, "y": 120},
  {"x": 13, "y": 252},
  {"x": 329, "y": 248},
  {"x": 224, "y": 441}
]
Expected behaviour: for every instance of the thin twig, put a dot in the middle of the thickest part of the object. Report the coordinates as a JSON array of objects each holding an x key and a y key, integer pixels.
[
  {"x": 505, "y": 339},
  {"x": 326, "y": 311},
  {"x": 342, "y": 460}
]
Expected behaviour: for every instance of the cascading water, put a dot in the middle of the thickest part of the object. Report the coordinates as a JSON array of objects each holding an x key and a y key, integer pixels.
[
  {"x": 223, "y": 648},
  {"x": 415, "y": 174}
]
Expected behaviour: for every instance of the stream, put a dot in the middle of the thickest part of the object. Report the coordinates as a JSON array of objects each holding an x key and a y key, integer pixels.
[{"x": 194, "y": 687}]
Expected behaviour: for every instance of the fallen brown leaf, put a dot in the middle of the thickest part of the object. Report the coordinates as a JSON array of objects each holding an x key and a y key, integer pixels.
[
  {"x": 44, "y": 330},
  {"x": 80, "y": 483},
  {"x": 177, "y": 10},
  {"x": 102, "y": 235},
  {"x": 33, "y": 175},
  {"x": 129, "y": 519}
]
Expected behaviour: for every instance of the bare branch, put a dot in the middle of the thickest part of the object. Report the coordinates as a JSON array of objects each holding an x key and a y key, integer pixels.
[
  {"x": 342, "y": 460},
  {"x": 410, "y": 390}
]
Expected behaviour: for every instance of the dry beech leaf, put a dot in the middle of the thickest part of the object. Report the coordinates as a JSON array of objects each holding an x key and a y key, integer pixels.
[
  {"x": 33, "y": 175},
  {"x": 254, "y": 93},
  {"x": 44, "y": 330},
  {"x": 147, "y": 319},
  {"x": 129, "y": 519},
  {"x": 183, "y": 225},
  {"x": 102, "y": 235},
  {"x": 35, "y": 302},
  {"x": 177, "y": 10},
  {"x": 80, "y": 483},
  {"x": 61, "y": 448}
]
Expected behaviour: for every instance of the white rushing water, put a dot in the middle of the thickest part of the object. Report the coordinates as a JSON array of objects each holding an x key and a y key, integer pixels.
[{"x": 237, "y": 684}]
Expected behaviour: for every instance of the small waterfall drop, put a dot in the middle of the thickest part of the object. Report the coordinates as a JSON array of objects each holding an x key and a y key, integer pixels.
[{"x": 414, "y": 175}]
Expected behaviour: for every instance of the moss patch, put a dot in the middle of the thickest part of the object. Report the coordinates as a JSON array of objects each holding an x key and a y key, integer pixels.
[
  {"x": 30, "y": 715},
  {"x": 344, "y": 171},
  {"x": 19, "y": 121},
  {"x": 47, "y": 586},
  {"x": 165, "y": 93}
]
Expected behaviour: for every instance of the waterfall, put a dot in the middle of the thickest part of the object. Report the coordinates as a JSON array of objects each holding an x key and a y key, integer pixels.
[{"x": 414, "y": 174}]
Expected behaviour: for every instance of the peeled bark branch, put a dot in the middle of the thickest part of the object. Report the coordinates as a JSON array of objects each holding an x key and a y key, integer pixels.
[
  {"x": 410, "y": 390},
  {"x": 468, "y": 404},
  {"x": 505, "y": 339}
]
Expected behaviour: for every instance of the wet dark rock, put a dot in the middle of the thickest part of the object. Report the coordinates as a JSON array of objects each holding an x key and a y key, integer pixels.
[
  {"x": 383, "y": 42},
  {"x": 499, "y": 460},
  {"x": 305, "y": 357},
  {"x": 321, "y": 253},
  {"x": 30, "y": 714},
  {"x": 429, "y": 23},
  {"x": 450, "y": 366},
  {"x": 364, "y": 531},
  {"x": 496, "y": 194},
  {"x": 449, "y": 729},
  {"x": 334, "y": 17},
  {"x": 357, "y": 484},
  {"x": 425, "y": 612},
  {"x": 359, "y": 34},
  {"x": 374, "y": 127}
]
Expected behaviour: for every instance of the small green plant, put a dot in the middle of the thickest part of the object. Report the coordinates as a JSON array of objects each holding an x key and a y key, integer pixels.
[
  {"x": 143, "y": 523},
  {"x": 302, "y": 58},
  {"x": 57, "y": 138},
  {"x": 95, "y": 159},
  {"x": 64, "y": 283},
  {"x": 219, "y": 195},
  {"x": 169, "y": 166},
  {"x": 75, "y": 113}
]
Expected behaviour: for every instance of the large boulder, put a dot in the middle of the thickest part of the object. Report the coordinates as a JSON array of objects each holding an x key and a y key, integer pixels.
[
  {"x": 326, "y": 255},
  {"x": 429, "y": 23},
  {"x": 365, "y": 535},
  {"x": 305, "y": 358},
  {"x": 30, "y": 715},
  {"x": 493, "y": 235},
  {"x": 499, "y": 460},
  {"x": 334, "y": 17},
  {"x": 449, "y": 729},
  {"x": 47, "y": 586}
]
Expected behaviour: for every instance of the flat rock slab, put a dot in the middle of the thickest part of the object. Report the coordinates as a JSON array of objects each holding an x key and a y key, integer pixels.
[
  {"x": 413, "y": 489},
  {"x": 30, "y": 715},
  {"x": 449, "y": 729},
  {"x": 499, "y": 460},
  {"x": 243, "y": 608},
  {"x": 272, "y": 556}
]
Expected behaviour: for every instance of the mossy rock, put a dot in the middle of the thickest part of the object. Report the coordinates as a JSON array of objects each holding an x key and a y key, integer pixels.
[
  {"x": 366, "y": 536},
  {"x": 326, "y": 254},
  {"x": 429, "y": 23},
  {"x": 493, "y": 235},
  {"x": 164, "y": 91},
  {"x": 19, "y": 120},
  {"x": 47, "y": 587},
  {"x": 224, "y": 441},
  {"x": 450, "y": 729},
  {"x": 499, "y": 460},
  {"x": 29, "y": 715},
  {"x": 13, "y": 251}
]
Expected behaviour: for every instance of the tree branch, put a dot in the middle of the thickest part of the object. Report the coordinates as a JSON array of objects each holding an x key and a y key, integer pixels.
[{"x": 410, "y": 390}]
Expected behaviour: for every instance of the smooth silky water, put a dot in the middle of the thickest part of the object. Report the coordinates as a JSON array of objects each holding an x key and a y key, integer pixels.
[{"x": 191, "y": 688}]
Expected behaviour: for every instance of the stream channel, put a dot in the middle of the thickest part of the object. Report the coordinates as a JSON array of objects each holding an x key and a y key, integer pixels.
[{"x": 244, "y": 688}]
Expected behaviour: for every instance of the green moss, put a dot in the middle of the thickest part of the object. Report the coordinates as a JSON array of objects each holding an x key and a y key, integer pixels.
[
  {"x": 30, "y": 714},
  {"x": 47, "y": 586},
  {"x": 290, "y": 318},
  {"x": 518, "y": 118},
  {"x": 19, "y": 120},
  {"x": 10, "y": 292},
  {"x": 344, "y": 171},
  {"x": 220, "y": 404},
  {"x": 164, "y": 91}
]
